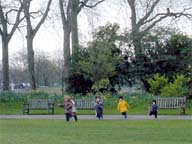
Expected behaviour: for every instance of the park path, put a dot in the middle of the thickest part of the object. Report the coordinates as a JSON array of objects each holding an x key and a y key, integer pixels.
[{"x": 92, "y": 117}]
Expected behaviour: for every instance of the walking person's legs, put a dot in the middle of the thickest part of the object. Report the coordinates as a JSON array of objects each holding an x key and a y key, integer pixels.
[
  {"x": 68, "y": 116},
  {"x": 124, "y": 114},
  {"x": 75, "y": 116}
]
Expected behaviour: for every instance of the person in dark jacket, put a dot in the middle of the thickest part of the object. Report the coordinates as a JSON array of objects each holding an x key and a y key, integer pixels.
[
  {"x": 99, "y": 108},
  {"x": 154, "y": 109}
]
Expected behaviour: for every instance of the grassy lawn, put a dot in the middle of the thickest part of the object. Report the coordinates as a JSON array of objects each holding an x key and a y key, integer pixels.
[{"x": 95, "y": 132}]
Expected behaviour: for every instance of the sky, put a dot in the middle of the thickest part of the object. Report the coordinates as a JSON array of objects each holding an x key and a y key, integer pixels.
[{"x": 49, "y": 37}]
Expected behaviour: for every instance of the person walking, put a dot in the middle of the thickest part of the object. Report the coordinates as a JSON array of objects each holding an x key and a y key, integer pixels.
[
  {"x": 74, "y": 110},
  {"x": 99, "y": 108},
  {"x": 154, "y": 109},
  {"x": 123, "y": 107},
  {"x": 67, "y": 105}
]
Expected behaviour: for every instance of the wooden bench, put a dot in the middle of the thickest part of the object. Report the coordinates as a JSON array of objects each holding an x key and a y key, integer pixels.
[
  {"x": 84, "y": 103},
  {"x": 171, "y": 103},
  {"x": 39, "y": 104}
]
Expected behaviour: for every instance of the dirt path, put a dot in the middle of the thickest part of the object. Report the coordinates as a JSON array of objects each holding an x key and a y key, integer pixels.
[{"x": 92, "y": 117}]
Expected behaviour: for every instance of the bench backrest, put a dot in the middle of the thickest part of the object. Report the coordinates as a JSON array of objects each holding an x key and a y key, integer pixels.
[
  {"x": 171, "y": 102},
  {"x": 84, "y": 103},
  {"x": 39, "y": 103}
]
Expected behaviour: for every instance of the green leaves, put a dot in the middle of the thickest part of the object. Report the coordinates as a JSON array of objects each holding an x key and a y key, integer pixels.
[
  {"x": 160, "y": 85},
  {"x": 157, "y": 83}
]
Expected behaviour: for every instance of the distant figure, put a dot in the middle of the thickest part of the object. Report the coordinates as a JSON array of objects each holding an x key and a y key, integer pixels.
[
  {"x": 154, "y": 109},
  {"x": 74, "y": 110},
  {"x": 99, "y": 108},
  {"x": 123, "y": 107},
  {"x": 67, "y": 105}
]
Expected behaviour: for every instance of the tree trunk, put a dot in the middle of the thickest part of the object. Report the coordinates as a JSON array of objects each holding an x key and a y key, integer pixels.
[
  {"x": 66, "y": 53},
  {"x": 74, "y": 27},
  {"x": 5, "y": 62},
  {"x": 31, "y": 62}
]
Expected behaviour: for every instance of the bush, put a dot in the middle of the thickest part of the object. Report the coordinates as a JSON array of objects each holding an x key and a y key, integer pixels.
[
  {"x": 8, "y": 96},
  {"x": 177, "y": 88},
  {"x": 157, "y": 83}
]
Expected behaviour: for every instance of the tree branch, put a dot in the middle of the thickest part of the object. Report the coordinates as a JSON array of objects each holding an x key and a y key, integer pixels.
[
  {"x": 17, "y": 22},
  {"x": 84, "y": 4},
  {"x": 148, "y": 13},
  {"x": 26, "y": 6},
  {"x": 1, "y": 32},
  {"x": 165, "y": 15},
  {"x": 62, "y": 12},
  {"x": 43, "y": 18}
]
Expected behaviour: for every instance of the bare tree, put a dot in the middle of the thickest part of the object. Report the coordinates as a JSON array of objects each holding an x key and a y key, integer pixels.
[
  {"x": 69, "y": 10},
  {"x": 7, "y": 29},
  {"x": 31, "y": 32},
  {"x": 142, "y": 24}
]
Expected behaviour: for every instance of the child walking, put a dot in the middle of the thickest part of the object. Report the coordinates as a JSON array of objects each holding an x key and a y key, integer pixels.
[
  {"x": 74, "y": 110},
  {"x": 123, "y": 107},
  {"x": 154, "y": 109},
  {"x": 67, "y": 105},
  {"x": 99, "y": 108}
]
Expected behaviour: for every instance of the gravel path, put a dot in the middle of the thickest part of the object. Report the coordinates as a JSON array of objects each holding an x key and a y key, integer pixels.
[{"x": 92, "y": 117}]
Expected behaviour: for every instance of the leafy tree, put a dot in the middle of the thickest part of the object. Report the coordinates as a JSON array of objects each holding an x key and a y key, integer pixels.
[
  {"x": 166, "y": 54},
  {"x": 157, "y": 83},
  {"x": 98, "y": 62},
  {"x": 69, "y": 10},
  {"x": 177, "y": 88}
]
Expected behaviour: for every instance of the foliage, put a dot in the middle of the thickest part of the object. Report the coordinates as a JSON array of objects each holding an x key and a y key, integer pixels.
[
  {"x": 157, "y": 83},
  {"x": 101, "y": 85},
  {"x": 166, "y": 54},
  {"x": 20, "y": 97},
  {"x": 177, "y": 88},
  {"x": 97, "y": 62},
  {"x": 7, "y": 96},
  {"x": 161, "y": 85}
]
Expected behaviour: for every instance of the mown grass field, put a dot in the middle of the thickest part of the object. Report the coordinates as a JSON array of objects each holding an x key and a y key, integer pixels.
[{"x": 94, "y": 132}]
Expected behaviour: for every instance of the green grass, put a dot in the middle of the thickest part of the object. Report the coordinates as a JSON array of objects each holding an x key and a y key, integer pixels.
[{"x": 95, "y": 132}]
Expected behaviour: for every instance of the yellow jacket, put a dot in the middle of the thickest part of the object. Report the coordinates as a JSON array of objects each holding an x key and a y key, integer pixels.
[{"x": 123, "y": 106}]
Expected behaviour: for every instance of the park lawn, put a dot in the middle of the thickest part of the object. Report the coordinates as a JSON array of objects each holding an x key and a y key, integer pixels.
[{"x": 17, "y": 131}]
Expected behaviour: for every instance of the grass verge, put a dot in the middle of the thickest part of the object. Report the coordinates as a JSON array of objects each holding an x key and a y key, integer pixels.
[{"x": 94, "y": 132}]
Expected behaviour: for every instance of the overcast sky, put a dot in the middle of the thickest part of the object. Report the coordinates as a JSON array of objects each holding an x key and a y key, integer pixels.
[{"x": 49, "y": 37}]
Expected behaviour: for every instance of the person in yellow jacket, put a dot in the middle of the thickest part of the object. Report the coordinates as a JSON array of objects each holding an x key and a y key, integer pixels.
[{"x": 123, "y": 107}]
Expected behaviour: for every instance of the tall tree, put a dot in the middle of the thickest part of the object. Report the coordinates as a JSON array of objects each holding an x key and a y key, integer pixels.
[
  {"x": 7, "y": 29},
  {"x": 69, "y": 10},
  {"x": 141, "y": 25},
  {"x": 31, "y": 32},
  {"x": 143, "y": 20}
]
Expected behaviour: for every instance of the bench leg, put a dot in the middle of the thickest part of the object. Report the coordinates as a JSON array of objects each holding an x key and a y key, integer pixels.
[
  {"x": 26, "y": 111},
  {"x": 182, "y": 111},
  {"x": 51, "y": 111}
]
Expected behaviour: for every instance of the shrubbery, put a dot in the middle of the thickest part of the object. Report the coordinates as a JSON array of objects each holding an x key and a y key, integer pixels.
[
  {"x": 17, "y": 97},
  {"x": 160, "y": 85}
]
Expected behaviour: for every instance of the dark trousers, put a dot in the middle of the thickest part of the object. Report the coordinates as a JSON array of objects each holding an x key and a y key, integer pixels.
[
  {"x": 153, "y": 113},
  {"x": 99, "y": 113},
  {"x": 124, "y": 114},
  {"x": 68, "y": 116},
  {"x": 75, "y": 116}
]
